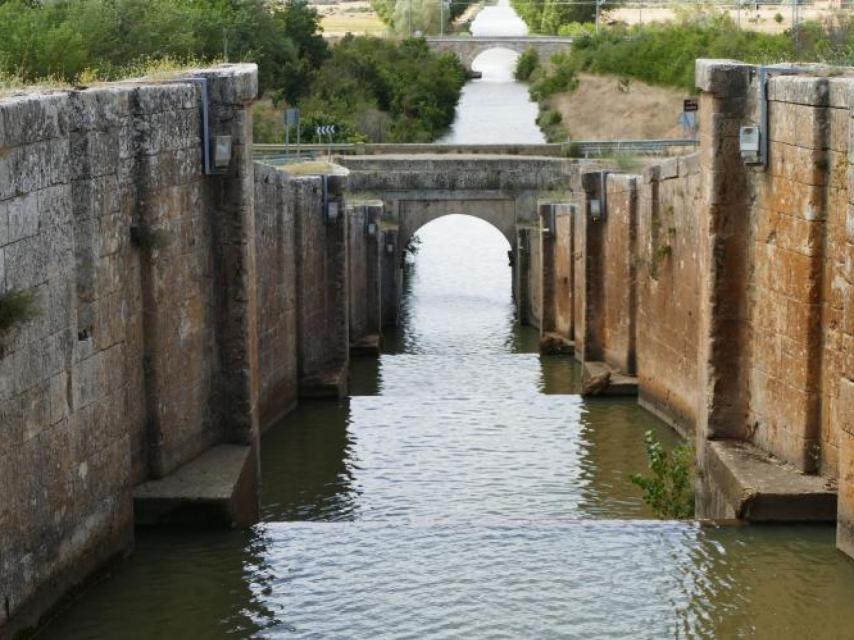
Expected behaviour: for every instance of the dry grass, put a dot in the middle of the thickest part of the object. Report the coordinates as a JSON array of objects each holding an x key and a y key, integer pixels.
[
  {"x": 351, "y": 17},
  {"x": 765, "y": 19},
  {"x": 600, "y": 110},
  {"x": 313, "y": 168},
  {"x": 159, "y": 69}
]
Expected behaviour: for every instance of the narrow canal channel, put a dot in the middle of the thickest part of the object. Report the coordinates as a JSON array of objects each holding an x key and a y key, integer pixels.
[{"x": 465, "y": 490}]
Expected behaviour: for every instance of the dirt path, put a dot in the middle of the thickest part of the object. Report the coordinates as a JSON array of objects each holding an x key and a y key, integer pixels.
[{"x": 600, "y": 110}]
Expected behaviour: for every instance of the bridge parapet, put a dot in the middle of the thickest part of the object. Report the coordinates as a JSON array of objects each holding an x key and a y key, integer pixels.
[{"x": 468, "y": 48}]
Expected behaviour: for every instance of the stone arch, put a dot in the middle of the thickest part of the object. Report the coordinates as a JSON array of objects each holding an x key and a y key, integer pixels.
[
  {"x": 500, "y": 213},
  {"x": 474, "y": 53}
]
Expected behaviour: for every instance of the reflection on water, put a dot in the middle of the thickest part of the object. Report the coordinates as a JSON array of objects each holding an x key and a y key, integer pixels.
[{"x": 467, "y": 492}]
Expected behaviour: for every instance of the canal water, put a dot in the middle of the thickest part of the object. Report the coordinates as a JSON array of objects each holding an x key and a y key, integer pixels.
[{"x": 466, "y": 491}]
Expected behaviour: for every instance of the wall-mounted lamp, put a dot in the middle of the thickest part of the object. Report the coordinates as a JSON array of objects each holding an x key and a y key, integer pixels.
[
  {"x": 221, "y": 151},
  {"x": 389, "y": 248},
  {"x": 749, "y": 140},
  {"x": 594, "y": 209},
  {"x": 332, "y": 211},
  {"x": 371, "y": 228}
]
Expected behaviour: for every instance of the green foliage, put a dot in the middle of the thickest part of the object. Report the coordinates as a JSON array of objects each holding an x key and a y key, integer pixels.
[
  {"x": 560, "y": 75},
  {"x": 375, "y": 89},
  {"x": 664, "y": 53},
  {"x": 550, "y": 16},
  {"x": 406, "y": 17},
  {"x": 669, "y": 490},
  {"x": 551, "y": 124},
  {"x": 16, "y": 307},
  {"x": 526, "y": 64},
  {"x": 63, "y": 38}
]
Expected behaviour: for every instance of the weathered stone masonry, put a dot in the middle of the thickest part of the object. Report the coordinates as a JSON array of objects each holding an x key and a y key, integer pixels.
[
  {"x": 728, "y": 291},
  {"x": 142, "y": 356}
]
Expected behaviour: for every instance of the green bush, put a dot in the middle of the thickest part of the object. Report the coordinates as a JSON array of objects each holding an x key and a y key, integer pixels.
[
  {"x": 526, "y": 64},
  {"x": 560, "y": 75},
  {"x": 376, "y": 88},
  {"x": 65, "y": 38},
  {"x": 669, "y": 490},
  {"x": 16, "y": 308},
  {"x": 550, "y": 16}
]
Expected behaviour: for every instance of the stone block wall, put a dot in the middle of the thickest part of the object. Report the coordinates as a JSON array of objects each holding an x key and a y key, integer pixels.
[
  {"x": 321, "y": 284},
  {"x": 668, "y": 298},
  {"x": 107, "y": 218},
  {"x": 364, "y": 257},
  {"x": 557, "y": 225},
  {"x": 743, "y": 276},
  {"x": 275, "y": 245}
]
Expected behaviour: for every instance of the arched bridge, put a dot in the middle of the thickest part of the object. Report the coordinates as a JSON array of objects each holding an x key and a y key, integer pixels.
[
  {"x": 467, "y": 48},
  {"x": 502, "y": 190}
]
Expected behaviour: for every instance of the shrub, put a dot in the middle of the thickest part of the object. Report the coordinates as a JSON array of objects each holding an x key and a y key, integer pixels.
[
  {"x": 526, "y": 65},
  {"x": 16, "y": 308},
  {"x": 669, "y": 490}
]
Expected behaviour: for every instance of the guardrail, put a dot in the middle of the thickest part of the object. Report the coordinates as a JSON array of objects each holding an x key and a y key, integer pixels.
[{"x": 575, "y": 149}]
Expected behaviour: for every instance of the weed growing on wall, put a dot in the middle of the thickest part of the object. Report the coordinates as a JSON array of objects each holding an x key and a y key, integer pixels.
[
  {"x": 16, "y": 308},
  {"x": 668, "y": 490}
]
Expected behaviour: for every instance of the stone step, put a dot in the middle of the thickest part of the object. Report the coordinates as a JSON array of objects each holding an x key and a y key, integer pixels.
[
  {"x": 599, "y": 379},
  {"x": 555, "y": 344},
  {"x": 368, "y": 345},
  {"x": 218, "y": 488},
  {"x": 762, "y": 488},
  {"x": 331, "y": 383}
]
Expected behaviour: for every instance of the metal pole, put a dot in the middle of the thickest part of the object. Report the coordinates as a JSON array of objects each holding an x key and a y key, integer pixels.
[
  {"x": 410, "y": 18},
  {"x": 442, "y": 18},
  {"x": 597, "y": 16}
]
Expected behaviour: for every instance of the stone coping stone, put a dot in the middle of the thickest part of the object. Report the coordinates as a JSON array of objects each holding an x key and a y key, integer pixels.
[
  {"x": 217, "y": 489},
  {"x": 763, "y": 488},
  {"x": 602, "y": 380},
  {"x": 368, "y": 345}
]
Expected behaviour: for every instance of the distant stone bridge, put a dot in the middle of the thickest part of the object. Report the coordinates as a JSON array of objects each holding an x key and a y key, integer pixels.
[{"x": 468, "y": 48}]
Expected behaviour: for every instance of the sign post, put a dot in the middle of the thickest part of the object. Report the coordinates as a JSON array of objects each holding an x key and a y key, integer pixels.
[
  {"x": 688, "y": 118},
  {"x": 291, "y": 119}
]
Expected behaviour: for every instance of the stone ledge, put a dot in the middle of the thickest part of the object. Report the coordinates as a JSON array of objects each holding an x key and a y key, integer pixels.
[
  {"x": 368, "y": 345},
  {"x": 762, "y": 488},
  {"x": 331, "y": 383},
  {"x": 554, "y": 344},
  {"x": 216, "y": 489},
  {"x": 601, "y": 380}
]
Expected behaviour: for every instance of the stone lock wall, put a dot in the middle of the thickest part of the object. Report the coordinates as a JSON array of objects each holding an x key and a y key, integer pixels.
[
  {"x": 668, "y": 298},
  {"x": 365, "y": 245},
  {"x": 729, "y": 286},
  {"x": 275, "y": 245},
  {"x": 322, "y": 286},
  {"x": 138, "y": 263},
  {"x": 557, "y": 227}
]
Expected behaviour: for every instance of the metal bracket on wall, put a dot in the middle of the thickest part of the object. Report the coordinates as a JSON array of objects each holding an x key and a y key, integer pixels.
[
  {"x": 764, "y": 73},
  {"x": 598, "y": 207},
  {"x": 216, "y": 150}
]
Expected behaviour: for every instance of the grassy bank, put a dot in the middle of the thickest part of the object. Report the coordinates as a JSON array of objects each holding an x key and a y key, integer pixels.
[{"x": 664, "y": 54}]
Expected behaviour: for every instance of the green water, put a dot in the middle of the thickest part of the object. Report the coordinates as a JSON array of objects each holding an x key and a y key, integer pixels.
[{"x": 466, "y": 491}]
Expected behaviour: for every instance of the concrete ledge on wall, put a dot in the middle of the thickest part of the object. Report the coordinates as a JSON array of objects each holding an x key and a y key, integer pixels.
[
  {"x": 330, "y": 383},
  {"x": 368, "y": 345},
  {"x": 554, "y": 344},
  {"x": 218, "y": 488},
  {"x": 599, "y": 379},
  {"x": 761, "y": 488}
]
